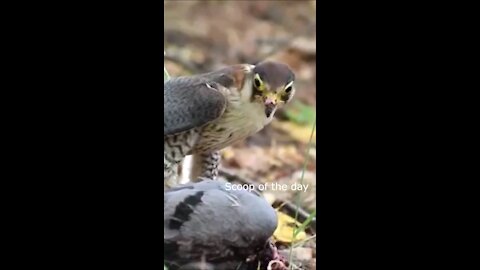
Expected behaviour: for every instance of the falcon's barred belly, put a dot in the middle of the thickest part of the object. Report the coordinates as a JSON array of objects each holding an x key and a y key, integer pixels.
[{"x": 208, "y": 112}]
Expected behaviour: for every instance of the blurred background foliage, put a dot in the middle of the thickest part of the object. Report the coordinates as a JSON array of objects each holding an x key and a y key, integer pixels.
[{"x": 201, "y": 36}]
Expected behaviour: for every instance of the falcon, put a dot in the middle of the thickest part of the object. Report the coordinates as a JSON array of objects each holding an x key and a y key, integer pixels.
[{"x": 207, "y": 112}]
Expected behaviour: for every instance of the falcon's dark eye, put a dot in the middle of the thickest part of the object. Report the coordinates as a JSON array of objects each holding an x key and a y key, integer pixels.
[
  {"x": 288, "y": 88},
  {"x": 257, "y": 83}
]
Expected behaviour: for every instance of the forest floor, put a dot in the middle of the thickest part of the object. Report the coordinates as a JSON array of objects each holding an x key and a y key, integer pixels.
[{"x": 219, "y": 33}]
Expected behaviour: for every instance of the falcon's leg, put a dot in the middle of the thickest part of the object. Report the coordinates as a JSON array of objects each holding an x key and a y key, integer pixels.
[
  {"x": 170, "y": 172},
  {"x": 205, "y": 165},
  {"x": 176, "y": 148}
]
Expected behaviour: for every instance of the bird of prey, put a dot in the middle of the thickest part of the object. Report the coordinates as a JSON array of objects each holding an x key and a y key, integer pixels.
[
  {"x": 205, "y": 113},
  {"x": 208, "y": 226}
]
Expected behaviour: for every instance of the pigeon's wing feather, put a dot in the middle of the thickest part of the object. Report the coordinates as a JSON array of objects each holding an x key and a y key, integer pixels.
[
  {"x": 191, "y": 102},
  {"x": 240, "y": 218}
]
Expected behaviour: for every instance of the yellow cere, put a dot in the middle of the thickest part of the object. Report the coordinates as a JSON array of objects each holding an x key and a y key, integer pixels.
[{"x": 272, "y": 96}]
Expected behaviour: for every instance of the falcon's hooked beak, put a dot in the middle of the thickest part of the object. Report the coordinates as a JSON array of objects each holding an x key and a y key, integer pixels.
[{"x": 270, "y": 101}]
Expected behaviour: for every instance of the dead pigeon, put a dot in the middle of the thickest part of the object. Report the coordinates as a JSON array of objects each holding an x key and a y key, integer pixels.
[{"x": 208, "y": 226}]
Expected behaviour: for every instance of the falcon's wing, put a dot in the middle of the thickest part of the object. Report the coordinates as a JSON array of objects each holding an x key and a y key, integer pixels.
[{"x": 191, "y": 102}]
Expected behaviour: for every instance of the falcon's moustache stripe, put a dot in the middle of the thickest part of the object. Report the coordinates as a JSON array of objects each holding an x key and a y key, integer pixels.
[{"x": 184, "y": 209}]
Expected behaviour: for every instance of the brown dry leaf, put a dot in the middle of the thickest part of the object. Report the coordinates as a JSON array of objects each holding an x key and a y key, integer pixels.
[
  {"x": 289, "y": 155},
  {"x": 308, "y": 197},
  {"x": 252, "y": 159},
  {"x": 283, "y": 161},
  {"x": 303, "y": 254},
  {"x": 272, "y": 162},
  {"x": 299, "y": 133},
  {"x": 272, "y": 152}
]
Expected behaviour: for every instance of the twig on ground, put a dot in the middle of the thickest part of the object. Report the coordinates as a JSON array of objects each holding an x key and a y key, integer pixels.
[{"x": 300, "y": 243}]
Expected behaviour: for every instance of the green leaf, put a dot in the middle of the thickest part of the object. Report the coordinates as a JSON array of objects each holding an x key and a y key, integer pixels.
[
  {"x": 166, "y": 76},
  {"x": 295, "y": 232},
  {"x": 301, "y": 113},
  {"x": 306, "y": 222}
]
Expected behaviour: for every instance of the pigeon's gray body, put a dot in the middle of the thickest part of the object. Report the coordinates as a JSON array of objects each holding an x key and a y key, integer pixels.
[{"x": 206, "y": 222}]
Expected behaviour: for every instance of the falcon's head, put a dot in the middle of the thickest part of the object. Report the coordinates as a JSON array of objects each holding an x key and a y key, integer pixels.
[{"x": 272, "y": 85}]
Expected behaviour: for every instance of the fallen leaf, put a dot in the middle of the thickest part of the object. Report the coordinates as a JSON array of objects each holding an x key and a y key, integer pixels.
[
  {"x": 284, "y": 231},
  {"x": 304, "y": 254},
  {"x": 269, "y": 197},
  {"x": 298, "y": 132},
  {"x": 300, "y": 113},
  {"x": 228, "y": 153}
]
